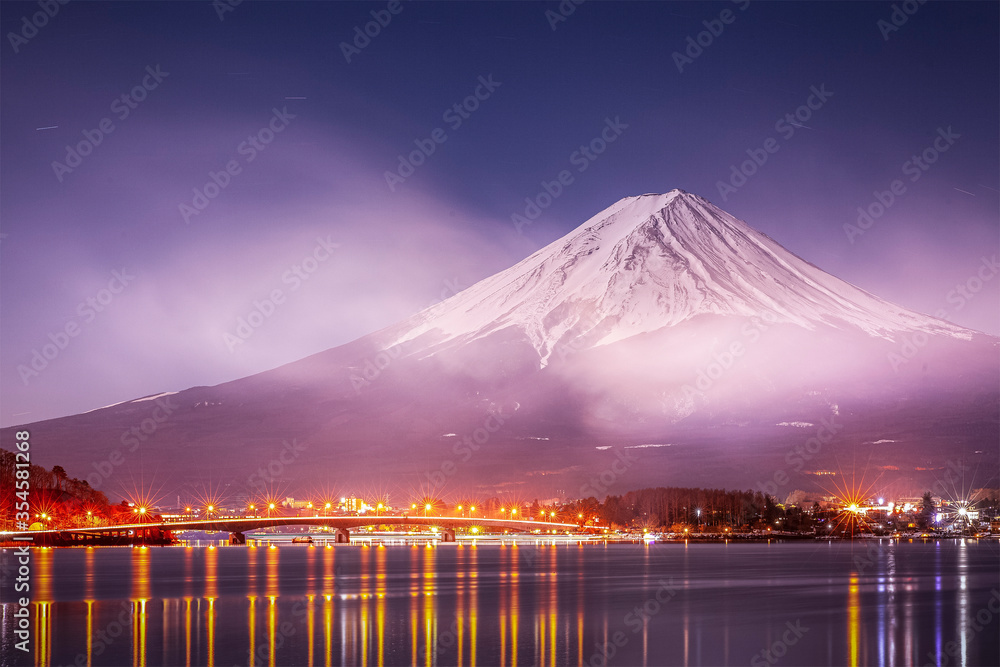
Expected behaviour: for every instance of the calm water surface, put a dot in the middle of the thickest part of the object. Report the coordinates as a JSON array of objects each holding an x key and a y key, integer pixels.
[{"x": 800, "y": 603}]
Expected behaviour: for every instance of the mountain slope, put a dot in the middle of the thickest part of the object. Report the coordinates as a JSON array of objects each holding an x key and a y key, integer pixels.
[{"x": 663, "y": 332}]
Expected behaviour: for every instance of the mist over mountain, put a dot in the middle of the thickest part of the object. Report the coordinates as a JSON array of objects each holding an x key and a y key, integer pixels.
[{"x": 661, "y": 342}]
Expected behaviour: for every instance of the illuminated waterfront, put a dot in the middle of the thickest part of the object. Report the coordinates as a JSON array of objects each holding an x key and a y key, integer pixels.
[{"x": 872, "y": 602}]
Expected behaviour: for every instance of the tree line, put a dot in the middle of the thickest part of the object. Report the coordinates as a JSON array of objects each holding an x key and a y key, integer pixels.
[{"x": 63, "y": 498}]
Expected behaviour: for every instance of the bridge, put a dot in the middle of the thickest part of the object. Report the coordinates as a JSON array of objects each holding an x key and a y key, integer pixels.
[{"x": 161, "y": 532}]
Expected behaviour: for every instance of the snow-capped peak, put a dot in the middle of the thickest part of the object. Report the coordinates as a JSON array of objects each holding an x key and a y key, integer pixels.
[{"x": 653, "y": 261}]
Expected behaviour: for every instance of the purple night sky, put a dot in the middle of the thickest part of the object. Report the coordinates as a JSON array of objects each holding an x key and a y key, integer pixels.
[{"x": 104, "y": 250}]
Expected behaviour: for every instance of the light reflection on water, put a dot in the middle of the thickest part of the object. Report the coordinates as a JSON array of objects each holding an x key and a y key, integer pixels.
[
  {"x": 515, "y": 604},
  {"x": 853, "y": 620}
]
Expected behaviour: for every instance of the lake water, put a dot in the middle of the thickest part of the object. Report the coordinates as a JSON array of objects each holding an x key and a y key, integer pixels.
[{"x": 794, "y": 603}]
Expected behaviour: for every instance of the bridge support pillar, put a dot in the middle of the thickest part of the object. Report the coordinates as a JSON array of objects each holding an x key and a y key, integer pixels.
[
  {"x": 341, "y": 536},
  {"x": 448, "y": 535},
  {"x": 237, "y": 538}
]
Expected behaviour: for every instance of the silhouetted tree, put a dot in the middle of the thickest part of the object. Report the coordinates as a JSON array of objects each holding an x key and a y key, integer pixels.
[
  {"x": 60, "y": 474},
  {"x": 927, "y": 510}
]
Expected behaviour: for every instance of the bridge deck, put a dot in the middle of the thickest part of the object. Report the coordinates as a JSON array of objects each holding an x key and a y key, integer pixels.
[{"x": 242, "y": 525}]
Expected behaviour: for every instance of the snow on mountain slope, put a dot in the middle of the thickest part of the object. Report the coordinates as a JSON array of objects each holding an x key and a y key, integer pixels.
[{"x": 654, "y": 261}]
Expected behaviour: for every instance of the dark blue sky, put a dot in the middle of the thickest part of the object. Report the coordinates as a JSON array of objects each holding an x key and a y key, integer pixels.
[{"x": 186, "y": 280}]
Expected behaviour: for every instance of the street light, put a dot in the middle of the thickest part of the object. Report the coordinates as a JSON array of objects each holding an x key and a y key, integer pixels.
[
  {"x": 378, "y": 508},
  {"x": 427, "y": 508}
]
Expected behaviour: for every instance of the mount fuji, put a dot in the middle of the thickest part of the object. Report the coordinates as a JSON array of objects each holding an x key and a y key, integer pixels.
[
  {"x": 663, "y": 342},
  {"x": 657, "y": 261}
]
